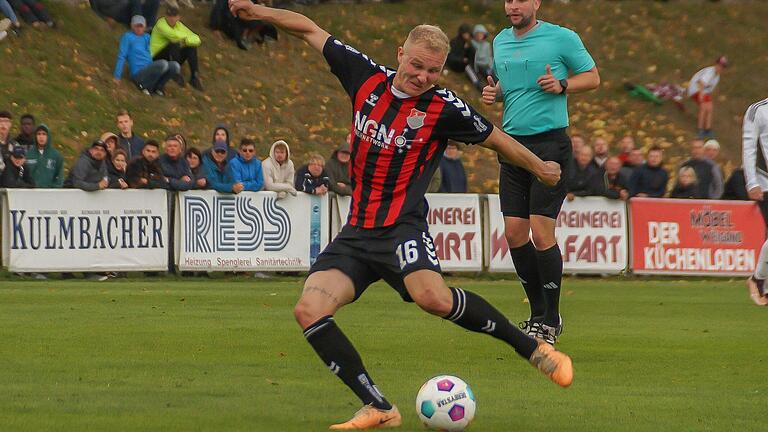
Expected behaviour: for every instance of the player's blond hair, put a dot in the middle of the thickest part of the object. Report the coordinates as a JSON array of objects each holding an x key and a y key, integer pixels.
[{"x": 430, "y": 36}]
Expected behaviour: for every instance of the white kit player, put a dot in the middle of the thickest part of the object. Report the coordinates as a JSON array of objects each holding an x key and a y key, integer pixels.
[{"x": 755, "y": 154}]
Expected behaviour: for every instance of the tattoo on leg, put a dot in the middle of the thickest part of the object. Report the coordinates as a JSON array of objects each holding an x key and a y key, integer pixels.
[{"x": 323, "y": 292}]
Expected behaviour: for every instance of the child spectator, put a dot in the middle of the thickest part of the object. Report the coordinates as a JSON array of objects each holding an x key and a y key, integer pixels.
[
  {"x": 45, "y": 162},
  {"x": 312, "y": 178},
  {"x": 90, "y": 171},
  {"x": 145, "y": 172},
  {"x": 246, "y": 167},
  {"x": 195, "y": 160},
  {"x": 218, "y": 171},
  {"x": 174, "y": 165},
  {"x": 483, "y": 53},
  {"x": 173, "y": 41},
  {"x": 15, "y": 175},
  {"x": 704, "y": 169},
  {"x": 150, "y": 76},
  {"x": 278, "y": 170},
  {"x": 650, "y": 179},
  {"x": 700, "y": 89},
  {"x": 116, "y": 170},
  {"x": 686, "y": 185}
]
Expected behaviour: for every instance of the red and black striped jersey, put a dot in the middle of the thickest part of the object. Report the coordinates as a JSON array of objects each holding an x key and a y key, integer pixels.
[{"x": 397, "y": 142}]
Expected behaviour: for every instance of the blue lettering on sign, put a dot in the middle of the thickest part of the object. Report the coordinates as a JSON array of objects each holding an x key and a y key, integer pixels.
[{"x": 234, "y": 224}]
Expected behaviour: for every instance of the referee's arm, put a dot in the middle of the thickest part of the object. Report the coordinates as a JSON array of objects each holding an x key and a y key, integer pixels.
[
  {"x": 547, "y": 172},
  {"x": 294, "y": 23},
  {"x": 584, "y": 81}
]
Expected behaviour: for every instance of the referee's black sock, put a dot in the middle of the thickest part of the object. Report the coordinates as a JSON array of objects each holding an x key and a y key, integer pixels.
[
  {"x": 551, "y": 275},
  {"x": 527, "y": 268},
  {"x": 472, "y": 312},
  {"x": 343, "y": 360}
]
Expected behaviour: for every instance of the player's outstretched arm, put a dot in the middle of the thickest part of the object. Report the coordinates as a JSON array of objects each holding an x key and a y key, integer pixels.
[
  {"x": 547, "y": 172},
  {"x": 292, "y": 22}
]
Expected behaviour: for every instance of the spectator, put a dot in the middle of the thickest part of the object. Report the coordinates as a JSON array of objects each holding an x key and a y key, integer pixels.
[
  {"x": 461, "y": 57},
  {"x": 26, "y": 136},
  {"x": 626, "y": 145},
  {"x": 582, "y": 175},
  {"x": 483, "y": 65},
  {"x": 736, "y": 186},
  {"x": 90, "y": 171},
  {"x": 577, "y": 142},
  {"x": 221, "y": 133},
  {"x": 601, "y": 152},
  {"x": 241, "y": 31},
  {"x": 686, "y": 186},
  {"x": 218, "y": 171},
  {"x": 175, "y": 166},
  {"x": 150, "y": 76},
  {"x": 338, "y": 169},
  {"x": 33, "y": 12},
  {"x": 122, "y": 10},
  {"x": 116, "y": 170},
  {"x": 7, "y": 144},
  {"x": 634, "y": 161},
  {"x": 611, "y": 183},
  {"x": 312, "y": 178},
  {"x": 195, "y": 160},
  {"x": 145, "y": 172},
  {"x": 246, "y": 167},
  {"x": 700, "y": 89},
  {"x": 173, "y": 41},
  {"x": 435, "y": 182},
  {"x": 454, "y": 178},
  {"x": 7, "y": 10},
  {"x": 278, "y": 170},
  {"x": 711, "y": 150},
  {"x": 650, "y": 179},
  {"x": 110, "y": 140},
  {"x": 703, "y": 167},
  {"x": 15, "y": 175},
  {"x": 127, "y": 140},
  {"x": 45, "y": 162}
]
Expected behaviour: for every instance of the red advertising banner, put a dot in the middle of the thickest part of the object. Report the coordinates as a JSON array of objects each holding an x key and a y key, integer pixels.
[{"x": 695, "y": 237}]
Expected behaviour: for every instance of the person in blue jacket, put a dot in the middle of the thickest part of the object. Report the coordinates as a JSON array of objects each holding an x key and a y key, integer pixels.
[
  {"x": 150, "y": 76},
  {"x": 219, "y": 171},
  {"x": 246, "y": 167}
]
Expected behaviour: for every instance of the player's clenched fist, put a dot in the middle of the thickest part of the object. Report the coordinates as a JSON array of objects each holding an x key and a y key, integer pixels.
[
  {"x": 490, "y": 91},
  {"x": 244, "y": 9},
  {"x": 550, "y": 174}
]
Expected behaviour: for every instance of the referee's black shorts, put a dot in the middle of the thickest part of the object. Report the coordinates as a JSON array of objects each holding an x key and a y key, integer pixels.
[
  {"x": 389, "y": 253},
  {"x": 520, "y": 193}
]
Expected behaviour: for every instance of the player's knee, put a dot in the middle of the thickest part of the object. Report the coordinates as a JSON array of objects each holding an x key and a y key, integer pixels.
[
  {"x": 516, "y": 236},
  {"x": 433, "y": 300},
  {"x": 543, "y": 241},
  {"x": 306, "y": 314}
]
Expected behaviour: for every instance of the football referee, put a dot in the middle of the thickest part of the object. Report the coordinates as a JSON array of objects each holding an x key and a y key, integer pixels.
[{"x": 533, "y": 61}]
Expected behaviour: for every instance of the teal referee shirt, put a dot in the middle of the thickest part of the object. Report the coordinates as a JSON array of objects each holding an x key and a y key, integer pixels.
[{"x": 519, "y": 62}]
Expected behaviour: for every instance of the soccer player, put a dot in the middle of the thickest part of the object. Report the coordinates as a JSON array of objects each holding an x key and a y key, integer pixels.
[
  {"x": 532, "y": 61},
  {"x": 401, "y": 126},
  {"x": 755, "y": 155}
]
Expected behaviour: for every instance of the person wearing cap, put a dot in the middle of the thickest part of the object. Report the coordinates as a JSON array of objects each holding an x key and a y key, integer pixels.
[
  {"x": 246, "y": 167},
  {"x": 711, "y": 150},
  {"x": 338, "y": 169},
  {"x": 145, "y": 172},
  {"x": 700, "y": 89},
  {"x": 15, "y": 174},
  {"x": 173, "y": 41},
  {"x": 218, "y": 171},
  {"x": 175, "y": 166},
  {"x": 279, "y": 170},
  {"x": 90, "y": 170},
  {"x": 150, "y": 76},
  {"x": 45, "y": 162}
]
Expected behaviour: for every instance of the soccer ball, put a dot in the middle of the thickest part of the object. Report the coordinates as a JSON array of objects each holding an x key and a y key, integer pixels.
[{"x": 446, "y": 403}]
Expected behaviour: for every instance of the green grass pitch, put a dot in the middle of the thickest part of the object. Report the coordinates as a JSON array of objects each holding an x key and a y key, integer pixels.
[{"x": 221, "y": 355}]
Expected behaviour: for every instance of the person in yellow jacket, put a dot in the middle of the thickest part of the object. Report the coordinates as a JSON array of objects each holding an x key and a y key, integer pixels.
[{"x": 173, "y": 41}]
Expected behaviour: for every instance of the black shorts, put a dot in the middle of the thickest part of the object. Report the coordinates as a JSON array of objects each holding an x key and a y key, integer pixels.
[
  {"x": 520, "y": 193},
  {"x": 764, "y": 207},
  {"x": 391, "y": 253}
]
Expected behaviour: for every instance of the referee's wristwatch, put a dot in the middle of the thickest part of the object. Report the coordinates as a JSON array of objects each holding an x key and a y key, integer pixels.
[{"x": 564, "y": 85}]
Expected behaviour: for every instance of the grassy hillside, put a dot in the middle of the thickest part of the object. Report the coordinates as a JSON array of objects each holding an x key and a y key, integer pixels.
[{"x": 284, "y": 90}]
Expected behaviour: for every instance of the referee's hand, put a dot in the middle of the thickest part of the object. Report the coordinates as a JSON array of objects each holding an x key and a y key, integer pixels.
[
  {"x": 490, "y": 91},
  {"x": 550, "y": 174}
]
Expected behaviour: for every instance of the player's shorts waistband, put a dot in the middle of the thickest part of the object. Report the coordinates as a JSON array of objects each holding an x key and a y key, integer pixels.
[{"x": 559, "y": 134}]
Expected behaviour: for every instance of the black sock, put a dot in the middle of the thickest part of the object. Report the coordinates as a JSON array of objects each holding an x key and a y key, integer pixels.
[
  {"x": 472, "y": 312},
  {"x": 341, "y": 357},
  {"x": 527, "y": 268},
  {"x": 551, "y": 275}
]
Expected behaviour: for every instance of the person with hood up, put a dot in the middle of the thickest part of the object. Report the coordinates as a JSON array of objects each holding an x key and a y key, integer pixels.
[
  {"x": 175, "y": 167},
  {"x": 221, "y": 133},
  {"x": 246, "y": 167},
  {"x": 145, "y": 172},
  {"x": 278, "y": 170},
  {"x": 90, "y": 171},
  {"x": 15, "y": 175},
  {"x": 45, "y": 162},
  {"x": 483, "y": 52},
  {"x": 338, "y": 169},
  {"x": 218, "y": 171},
  {"x": 195, "y": 160}
]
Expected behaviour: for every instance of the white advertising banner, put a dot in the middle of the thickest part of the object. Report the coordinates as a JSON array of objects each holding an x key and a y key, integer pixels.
[
  {"x": 591, "y": 233},
  {"x": 455, "y": 225},
  {"x": 48, "y": 230},
  {"x": 340, "y": 213},
  {"x": 250, "y": 231}
]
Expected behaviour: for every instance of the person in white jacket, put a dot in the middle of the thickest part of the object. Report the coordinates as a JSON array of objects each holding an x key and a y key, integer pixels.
[
  {"x": 278, "y": 170},
  {"x": 755, "y": 154}
]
